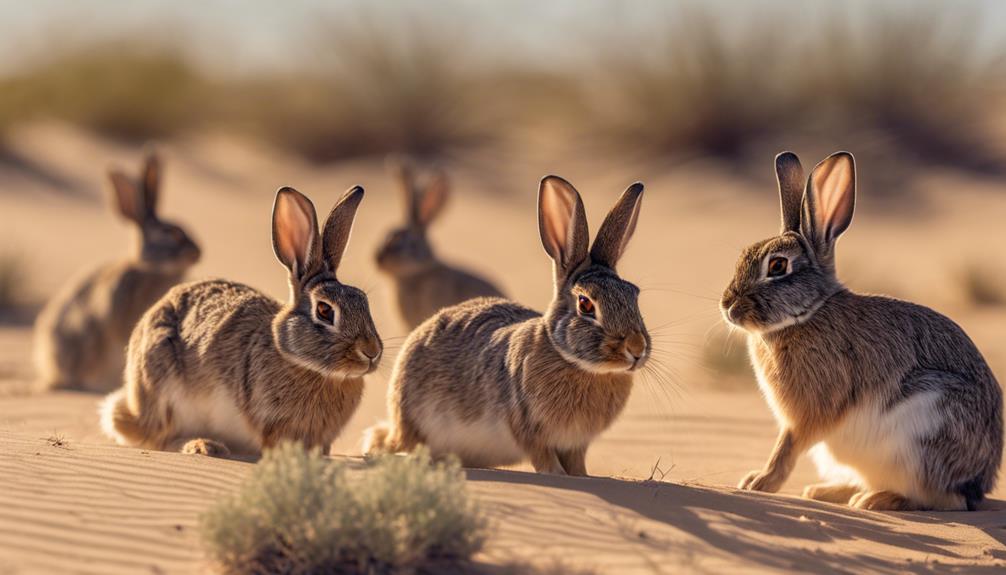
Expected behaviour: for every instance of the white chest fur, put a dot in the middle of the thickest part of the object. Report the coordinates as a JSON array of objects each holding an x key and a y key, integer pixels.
[
  {"x": 882, "y": 446},
  {"x": 213, "y": 415}
]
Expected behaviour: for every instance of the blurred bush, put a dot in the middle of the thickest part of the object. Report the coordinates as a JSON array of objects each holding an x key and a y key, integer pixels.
[
  {"x": 916, "y": 84},
  {"x": 725, "y": 357},
  {"x": 696, "y": 89},
  {"x": 121, "y": 90},
  {"x": 982, "y": 286},
  {"x": 13, "y": 280},
  {"x": 919, "y": 81},
  {"x": 377, "y": 88}
]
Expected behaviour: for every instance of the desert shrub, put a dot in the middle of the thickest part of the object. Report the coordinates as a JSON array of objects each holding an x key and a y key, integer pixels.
[
  {"x": 916, "y": 84},
  {"x": 725, "y": 357},
  {"x": 379, "y": 85},
  {"x": 301, "y": 513},
  {"x": 919, "y": 80},
  {"x": 694, "y": 88},
  {"x": 981, "y": 286},
  {"x": 13, "y": 276},
  {"x": 126, "y": 91}
]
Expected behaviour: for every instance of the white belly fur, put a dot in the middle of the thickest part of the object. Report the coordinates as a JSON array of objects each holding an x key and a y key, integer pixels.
[
  {"x": 484, "y": 442},
  {"x": 880, "y": 450},
  {"x": 212, "y": 415}
]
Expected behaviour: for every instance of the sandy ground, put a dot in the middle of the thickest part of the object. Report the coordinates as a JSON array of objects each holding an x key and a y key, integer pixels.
[{"x": 72, "y": 502}]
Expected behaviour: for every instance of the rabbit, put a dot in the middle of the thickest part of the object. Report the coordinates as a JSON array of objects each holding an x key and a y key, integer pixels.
[
  {"x": 81, "y": 334},
  {"x": 217, "y": 367},
  {"x": 422, "y": 283},
  {"x": 494, "y": 383},
  {"x": 896, "y": 404}
]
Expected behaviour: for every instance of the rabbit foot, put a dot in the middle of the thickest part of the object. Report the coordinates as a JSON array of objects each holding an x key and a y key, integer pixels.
[
  {"x": 881, "y": 501},
  {"x": 830, "y": 492},
  {"x": 206, "y": 447},
  {"x": 761, "y": 481}
]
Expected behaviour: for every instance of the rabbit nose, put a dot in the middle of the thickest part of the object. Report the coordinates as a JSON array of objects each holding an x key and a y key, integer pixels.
[
  {"x": 369, "y": 349},
  {"x": 735, "y": 313},
  {"x": 635, "y": 345}
]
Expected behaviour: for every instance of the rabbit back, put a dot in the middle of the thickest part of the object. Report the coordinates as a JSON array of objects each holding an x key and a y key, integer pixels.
[
  {"x": 907, "y": 400},
  {"x": 421, "y": 295},
  {"x": 203, "y": 363},
  {"x": 461, "y": 415},
  {"x": 81, "y": 334}
]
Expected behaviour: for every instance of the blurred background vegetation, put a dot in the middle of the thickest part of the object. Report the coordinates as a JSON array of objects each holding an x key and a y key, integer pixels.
[{"x": 921, "y": 83}]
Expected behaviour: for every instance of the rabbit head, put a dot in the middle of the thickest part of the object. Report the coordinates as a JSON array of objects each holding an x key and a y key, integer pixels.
[
  {"x": 783, "y": 280},
  {"x": 326, "y": 326},
  {"x": 406, "y": 250},
  {"x": 594, "y": 320},
  {"x": 163, "y": 244}
]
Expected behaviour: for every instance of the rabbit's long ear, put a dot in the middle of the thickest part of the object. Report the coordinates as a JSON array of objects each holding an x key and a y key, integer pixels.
[
  {"x": 295, "y": 233},
  {"x": 789, "y": 174},
  {"x": 829, "y": 202},
  {"x": 403, "y": 172},
  {"x": 562, "y": 224},
  {"x": 127, "y": 196},
  {"x": 150, "y": 184},
  {"x": 618, "y": 227},
  {"x": 339, "y": 226},
  {"x": 431, "y": 200}
]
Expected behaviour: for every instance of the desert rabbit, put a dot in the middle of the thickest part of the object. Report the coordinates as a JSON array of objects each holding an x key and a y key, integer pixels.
[
  {"x": 900, "y": 407},
  {"x": 217, "y": 365},
  {"x": 81, "y": 335},
  {"x": 494, "y": 382},
  {"x": 423, "y": 285}
]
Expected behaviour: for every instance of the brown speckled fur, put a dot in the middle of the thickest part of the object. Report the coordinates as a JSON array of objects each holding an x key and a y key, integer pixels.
[
  {"x": 422, "y": 284},
  {"x": 890, "y": 390},
  {"x": 544, "y": 386},
  {"x": 217, "y": 366},
  {"x": 81, "y": 335}
]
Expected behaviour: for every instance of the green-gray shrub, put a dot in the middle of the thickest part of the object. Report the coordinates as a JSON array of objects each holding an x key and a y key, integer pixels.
[{"x": 302, "y": 513}]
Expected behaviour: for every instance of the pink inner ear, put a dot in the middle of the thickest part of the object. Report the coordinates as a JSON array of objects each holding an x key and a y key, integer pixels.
[
  {"x": 293, "y": 230},
  {"x": 834, "y": 186},
  {"x": 557, "y": 209},
  {"x": 126, "y": 195},
  {"x": 432, "y": 200}
]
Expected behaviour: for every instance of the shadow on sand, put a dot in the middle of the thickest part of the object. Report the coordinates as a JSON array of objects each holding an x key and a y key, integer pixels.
[{"x": 741, "y": 525}]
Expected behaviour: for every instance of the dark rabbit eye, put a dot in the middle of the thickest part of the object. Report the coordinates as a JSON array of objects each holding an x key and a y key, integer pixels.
[
  {"x": 585, "y": 306},
  {"x": 777, "y": 267},
  {"x": 325, "y": 313}
]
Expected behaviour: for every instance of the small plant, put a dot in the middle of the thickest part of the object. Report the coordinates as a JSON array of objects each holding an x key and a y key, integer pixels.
[
  {"x": 726, "y": 357},
  {"x": 981, "y": 287},
  {"x": 302, "y": 513}
]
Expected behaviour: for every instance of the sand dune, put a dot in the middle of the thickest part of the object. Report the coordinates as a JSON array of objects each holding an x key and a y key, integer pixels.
[
  {"x": 72, "y": 502},
  {"x": 91, "y": 508}
]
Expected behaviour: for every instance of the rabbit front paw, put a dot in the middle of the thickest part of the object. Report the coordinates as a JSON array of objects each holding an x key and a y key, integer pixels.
[{"x": 761, "y": 480}]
